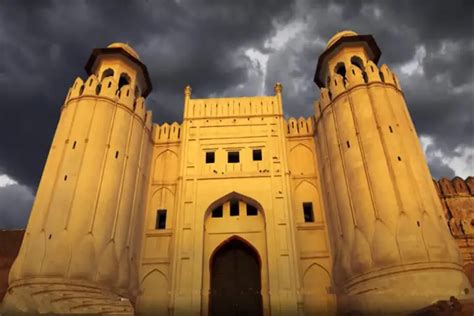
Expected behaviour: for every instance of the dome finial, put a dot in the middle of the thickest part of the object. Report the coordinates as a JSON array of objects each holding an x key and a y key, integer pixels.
[
  {"x": 278, "y": 88},
  {"x": 125, "y": 47},
  {"x": 338, "y": 35},
  {"x": 187, "y": 91}
]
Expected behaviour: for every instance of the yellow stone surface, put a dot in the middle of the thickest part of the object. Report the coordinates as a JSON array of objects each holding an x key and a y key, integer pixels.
[{"x": 376, "y": 241}]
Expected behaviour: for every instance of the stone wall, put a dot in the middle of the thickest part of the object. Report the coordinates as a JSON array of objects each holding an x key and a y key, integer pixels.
[{"x": 457, "y": 198}]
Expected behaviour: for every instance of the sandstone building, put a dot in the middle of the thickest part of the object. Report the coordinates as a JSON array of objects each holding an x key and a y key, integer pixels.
[{"x": 237, "y": 210}]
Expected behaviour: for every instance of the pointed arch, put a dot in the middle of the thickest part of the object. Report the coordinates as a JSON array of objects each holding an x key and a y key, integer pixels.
[
  {"x": 152, "y": 271},
  {"x": 315, "y": 264},
  {"x": 155, "y": 295},
  {"x": 309, "y": 182},
  {"x": 302, "y": 160},
  {"x": 234, "y": 238},
  {"x": 165, "y": 166}
]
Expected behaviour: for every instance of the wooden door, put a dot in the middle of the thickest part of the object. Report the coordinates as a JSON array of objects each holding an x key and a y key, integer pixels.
[{"x": 235, "y": 281}]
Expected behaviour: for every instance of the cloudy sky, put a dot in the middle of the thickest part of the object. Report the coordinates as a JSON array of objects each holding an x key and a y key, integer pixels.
[{"x": 227, "y": 48}]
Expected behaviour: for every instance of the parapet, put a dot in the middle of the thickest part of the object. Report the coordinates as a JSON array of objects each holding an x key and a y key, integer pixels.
[
  {"x": 108, "y": 89},
  {"x": 166, "y": 133},
  {"x": 301, "y": 127},
  {"x": 455, "y": 187},
  {"x": 355, "y": 77},
  {"x": 233, "y": 107}
]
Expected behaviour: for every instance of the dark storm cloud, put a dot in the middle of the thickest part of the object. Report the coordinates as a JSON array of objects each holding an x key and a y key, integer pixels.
[
  {"x": 438, "y": 168},
  {"x": 15, "y": 206},
  {"x": 440, "y": 99},
  {"x": 45, "y": 44}
]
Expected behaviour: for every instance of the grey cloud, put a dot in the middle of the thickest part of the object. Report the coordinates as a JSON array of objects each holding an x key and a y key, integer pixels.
[
  {"x": 46, "y": 43},
  {"x": 15, "y": 206},
  {"x": 440, "y": 100}
]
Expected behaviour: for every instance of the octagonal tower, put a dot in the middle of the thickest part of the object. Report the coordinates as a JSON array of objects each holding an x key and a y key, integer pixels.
[
  {"x": 392, "y": 249},
  {"x": 82, "y": 242}
]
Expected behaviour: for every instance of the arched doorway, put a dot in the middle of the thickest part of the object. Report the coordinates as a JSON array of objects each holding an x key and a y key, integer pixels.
[{"x": 235, "y": 280}]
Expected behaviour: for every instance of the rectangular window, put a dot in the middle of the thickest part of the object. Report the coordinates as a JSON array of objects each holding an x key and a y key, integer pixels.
[
  {"x": 308, "y": 212},
  {"x": 217, "y": 212},
  {"x": 210, "y": 157},
  {"x": 160, "y": 219},
  {"x": 233, "y": 157},
  {"x": 257, "y": 154},
  {"x": 251, "y": 211},
  {"x": 234, "y": 208}
]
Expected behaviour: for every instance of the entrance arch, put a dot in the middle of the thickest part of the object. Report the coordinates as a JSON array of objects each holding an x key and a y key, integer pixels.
[{"x": 235, "y": 280}]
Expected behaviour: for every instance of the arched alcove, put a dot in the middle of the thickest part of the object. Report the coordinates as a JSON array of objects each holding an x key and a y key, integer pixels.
[
  {"x": 166, "y": 166},
  {"x": 302, "y": 160},
  {"x": 107, "y": 73},
  {"x": 340, "y": 69},
  {"x": 154, "y": 299},
  {"x": 316, "y": 285},
  {"x": 239, "y": 219},
  {"x": 124, "y": 80}
]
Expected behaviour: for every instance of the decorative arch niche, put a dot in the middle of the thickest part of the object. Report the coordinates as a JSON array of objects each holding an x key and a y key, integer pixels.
[{"x": 247, "y": 229}]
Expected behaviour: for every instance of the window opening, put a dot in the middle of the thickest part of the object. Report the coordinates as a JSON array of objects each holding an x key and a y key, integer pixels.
[
  {"x": 356, "y": 61},
  {"x": 233, "y": 157},
  {"x": 124, "y": 80},
  {"x": 217, "y": 212},
  {"x": 257, "y": 154},
  {"x": 160, "y": 219},
  {"x": 107, "y": 73},
  {"x": 340, "y": 69},
  {"x": 251, "y": 210},
  {"x": 234, "y": 208},
  {"x": 210, "y": 156},
  {"x": 308, "y": 212}
]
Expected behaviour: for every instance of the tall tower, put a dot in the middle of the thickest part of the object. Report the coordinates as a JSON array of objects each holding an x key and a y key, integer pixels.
[
  {"x": 81, "y": 245},
  {"x": 392, "y": 249}
]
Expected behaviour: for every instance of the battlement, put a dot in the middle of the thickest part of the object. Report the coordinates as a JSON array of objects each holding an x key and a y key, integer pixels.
[
  {"x": 109, "y": 89},
  {"x": 455, "y": 187},
  {"x": 166, "y": 133},
  {"x": 355, "y": 77},
  {"x": 299, "y": 127},
  {"x": 233, "y": 107}
]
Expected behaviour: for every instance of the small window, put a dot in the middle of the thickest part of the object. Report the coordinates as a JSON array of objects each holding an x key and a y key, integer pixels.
[
  {"x": 233, "y": 157},
  {"x": 217, "y": 212},
  {"x": 107, "y": 73},
  {"x": 308, "y": 212},
  {"x": 340, "y": 69},
  {"x": 116, "y": 154},
  {"x": 210, "y": 157},
  {"x": 160, "y": 219},
  {"x": 251, "y": 210},
  {"x": 257, "y": 154},
  {"x": 356, "y": 61},
  {"x": 234, "y": 208},
  {"x": 124, "y": 80},
  {"x": 74, "y": 145}
]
